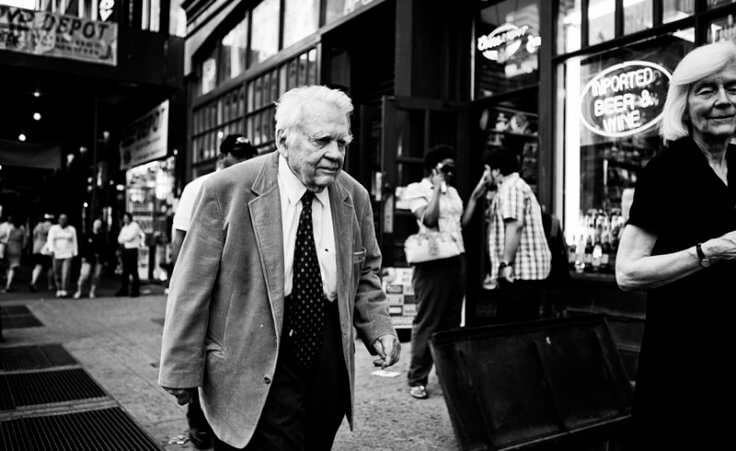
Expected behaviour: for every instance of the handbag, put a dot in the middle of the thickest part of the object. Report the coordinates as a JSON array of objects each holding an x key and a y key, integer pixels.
[{"x": 428, "y": 246}]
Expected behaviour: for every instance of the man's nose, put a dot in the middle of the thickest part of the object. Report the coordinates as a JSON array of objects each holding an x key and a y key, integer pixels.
[{"x": 333, "y": 151}]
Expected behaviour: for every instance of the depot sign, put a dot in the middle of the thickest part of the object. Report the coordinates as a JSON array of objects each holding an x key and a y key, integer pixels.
[
  {"x": 625, "y": 99},
  {"x": 146, "y": 138},
  {"x": 55, "y": 35}
]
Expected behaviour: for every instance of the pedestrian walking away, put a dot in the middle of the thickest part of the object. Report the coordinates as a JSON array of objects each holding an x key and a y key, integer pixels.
[
  {"x": 130, "y": 239},
  {"x": 93, "y": 248},
  {"x": 41, "y": 258},
  {"x": 277, "y": 272},
  {"x": 63, "y": 245},
  {"x": 679, "y": 244},
  {"x": 233, "y": 149},
  {"x": 14, "y": 238}
]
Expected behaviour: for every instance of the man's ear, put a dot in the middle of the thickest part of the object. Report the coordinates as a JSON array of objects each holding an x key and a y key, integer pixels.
[{"x": 281, "y": 142}]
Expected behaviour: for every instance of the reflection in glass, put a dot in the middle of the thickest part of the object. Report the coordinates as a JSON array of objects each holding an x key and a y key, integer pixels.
[
  {"x": 637, "y": 15},
  {"x": 568, "y": 26},
  {"x": 232, "y": 51},
  {"x": 334, "y": 9},
  {"x": 607, "y": 123},
  {"x": 601, "y": 25},
  {"x": 264, "y": 40},
  {"x": 301, "y": 18},
  {"x": 673, "y": 10},
  {"x": 715, "y": 3},
  {"x": 506, "y": 47},
  {"x": 721, "y": 29}
]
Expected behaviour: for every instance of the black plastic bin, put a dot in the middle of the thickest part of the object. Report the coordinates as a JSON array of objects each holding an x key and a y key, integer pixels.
[{"x": 552, "y": 384}]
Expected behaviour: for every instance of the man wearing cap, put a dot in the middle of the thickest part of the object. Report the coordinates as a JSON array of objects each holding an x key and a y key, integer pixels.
[{"x": 233, "y": 149}]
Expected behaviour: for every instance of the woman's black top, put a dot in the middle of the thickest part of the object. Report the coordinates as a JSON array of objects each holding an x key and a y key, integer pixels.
[
  {"x": 685, "y": 371},
  {"x": 93, "y": 247}
]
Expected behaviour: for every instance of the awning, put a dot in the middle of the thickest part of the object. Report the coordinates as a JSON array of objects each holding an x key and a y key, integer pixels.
[{"x": 30, "y": 155}]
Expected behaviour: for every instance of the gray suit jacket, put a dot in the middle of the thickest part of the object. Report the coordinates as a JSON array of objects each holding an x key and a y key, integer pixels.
[{"x": 225, "y": 308}]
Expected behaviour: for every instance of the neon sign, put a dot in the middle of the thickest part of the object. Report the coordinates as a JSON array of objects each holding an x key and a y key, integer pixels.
[{"x": 625, "y": 99}]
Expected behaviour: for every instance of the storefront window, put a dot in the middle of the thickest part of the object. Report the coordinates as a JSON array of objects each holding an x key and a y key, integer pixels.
[
  {"x": 334, "y": 9},
  {"x": 722, "y": 29},
  {"x": 209, "y": 74},
  {"x": 568, "y": 26},
  {"x": 601, "y": 21},
  {"x": 150, "y": 196},
  {"x": 301, "y": 18},
  {"x": 506, "y": 47},
  {"x": 264, "y": 40},
  {"x": 637, "y": 15},
  {"x": 232, "y": 51},
  {"x": 673, "y": 10},
  {"x": 609, "y": 108}
]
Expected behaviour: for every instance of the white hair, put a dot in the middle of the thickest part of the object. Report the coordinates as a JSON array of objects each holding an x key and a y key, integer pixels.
[
  {"x": 290, "y": 106},
  {"x": 700, "y": 63}
]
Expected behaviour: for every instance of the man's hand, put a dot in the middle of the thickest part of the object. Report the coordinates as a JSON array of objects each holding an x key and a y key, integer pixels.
[
  {"x": 183, "y": 395},
  {"x": 388, "y": 349}
]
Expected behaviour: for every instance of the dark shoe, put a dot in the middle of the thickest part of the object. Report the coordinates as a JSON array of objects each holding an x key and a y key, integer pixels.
[
  {"x": 121, "y": 293},
  {"x": 134, "y": 294},
  {"x": 32, "y": 288},
  {"x": 9, "y": 290},
  {"x": 200, "y": 439}
]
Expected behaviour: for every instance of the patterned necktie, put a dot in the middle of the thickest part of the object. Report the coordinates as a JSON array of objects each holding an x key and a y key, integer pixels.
[{"x": 306, "y": 310}]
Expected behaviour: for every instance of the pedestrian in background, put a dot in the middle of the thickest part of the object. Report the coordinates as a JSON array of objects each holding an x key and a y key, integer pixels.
[
  {"x": 130, "y": 239},
  {"x": 233, "y": 149},
  {"x": 282, "y": 245},
  {"x": 439, "y": 285},
  {"x": 93, "y": 248},
  {"x": 63, "y": 245},
  {"x": 14, "y": 237},
  {"x": 519, "y": 253},
  {"x": 680, "y": 244},
  {"x": 41, "y": 257}
]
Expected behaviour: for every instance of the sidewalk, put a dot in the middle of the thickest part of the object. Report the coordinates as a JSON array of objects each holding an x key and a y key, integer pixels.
[{"x": 118, "y": 340}]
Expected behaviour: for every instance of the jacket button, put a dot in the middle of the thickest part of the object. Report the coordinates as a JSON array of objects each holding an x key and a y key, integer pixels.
[{"x": 266, "y": 380}]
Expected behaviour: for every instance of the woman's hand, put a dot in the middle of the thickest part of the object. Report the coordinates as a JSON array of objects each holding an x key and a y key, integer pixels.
[
  {"x": 721, "y": 248},
  {"x": 437, "y": 178},
  {"x": 481, "y": 188}
]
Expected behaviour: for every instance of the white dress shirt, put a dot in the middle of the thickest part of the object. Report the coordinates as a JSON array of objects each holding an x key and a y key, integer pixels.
[
  {"x": 131, "y": 236},
  {"x": 291, "y": 190}
]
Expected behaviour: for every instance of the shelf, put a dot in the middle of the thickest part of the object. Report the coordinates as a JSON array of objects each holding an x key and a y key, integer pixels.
[{"x": 505, "y": 133}]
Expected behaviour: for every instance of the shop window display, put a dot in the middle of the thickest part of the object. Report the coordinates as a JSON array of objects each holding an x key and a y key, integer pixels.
[
  {"x": 673, "y": 10},
  {"x": 611, "y": 104},
  {"x": 149, "y": 198},
  {"x": 638, "y": 15},
  {"x": 722, "y": 29}
]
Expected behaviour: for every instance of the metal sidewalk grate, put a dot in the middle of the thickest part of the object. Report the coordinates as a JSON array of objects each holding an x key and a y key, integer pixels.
[
  {"x": 14, "y": 310},
  {"x": 45, "y": 387},
  {"x": 17, "y": 317},
  {"x": 107, "y": 429},
  {"x": 34, "y": 357}
]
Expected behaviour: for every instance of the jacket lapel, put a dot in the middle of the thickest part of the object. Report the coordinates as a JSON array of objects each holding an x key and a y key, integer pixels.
[
  {"x": 342, "y": 222},
  {"x": 265, "y": 213}
]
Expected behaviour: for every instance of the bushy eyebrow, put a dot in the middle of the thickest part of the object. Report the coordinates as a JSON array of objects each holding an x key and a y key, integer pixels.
[{"x": 347, "y": 139}]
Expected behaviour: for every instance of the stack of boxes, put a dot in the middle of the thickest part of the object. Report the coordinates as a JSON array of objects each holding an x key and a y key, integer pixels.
[{"x": 400, "y": 292}]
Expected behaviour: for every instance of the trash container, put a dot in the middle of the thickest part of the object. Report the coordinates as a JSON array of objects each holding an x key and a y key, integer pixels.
[{"x": 551, "y": 384}]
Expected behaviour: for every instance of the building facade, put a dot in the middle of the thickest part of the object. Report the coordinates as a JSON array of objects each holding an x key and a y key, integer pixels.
[
  {"x": 91, "y": 90},
  {"x": 575, "y": 87}
]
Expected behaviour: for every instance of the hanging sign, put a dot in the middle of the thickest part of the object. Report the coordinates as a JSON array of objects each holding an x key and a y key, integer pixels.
[
  {"x": 46, "y": 34},
  {"x": 146, "y": 138},
  {"x": 625, "y": 99}
]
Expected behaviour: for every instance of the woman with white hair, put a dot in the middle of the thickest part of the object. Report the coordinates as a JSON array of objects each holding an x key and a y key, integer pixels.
[{"x": 680, "y": 245}]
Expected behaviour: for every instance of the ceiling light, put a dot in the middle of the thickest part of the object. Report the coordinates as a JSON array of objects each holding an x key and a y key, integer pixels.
[
  {"x": 22, "y": 137},
  {"x": 36, "y": 93},
  {"x": 36, "y": 116}
]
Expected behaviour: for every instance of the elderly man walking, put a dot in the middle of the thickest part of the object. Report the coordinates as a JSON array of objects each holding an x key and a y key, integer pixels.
[{"x": 278, "y": 269}]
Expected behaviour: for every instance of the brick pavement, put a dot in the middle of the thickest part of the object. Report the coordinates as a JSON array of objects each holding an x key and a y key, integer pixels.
[{"x": 117, "y": 341}]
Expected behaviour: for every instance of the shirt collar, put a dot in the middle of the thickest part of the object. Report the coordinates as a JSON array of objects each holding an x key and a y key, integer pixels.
[
  {"x": 293, "y": 187},
  {"x": 512, "y": 176}
]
